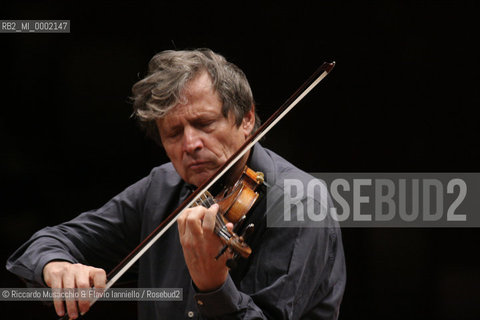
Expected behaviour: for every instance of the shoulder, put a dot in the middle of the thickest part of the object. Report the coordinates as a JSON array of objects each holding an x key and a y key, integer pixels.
[
  {"x": 165, "y": 171},
  {"x": 164, "y": 177},
  {"x": 276, "y": 168}
]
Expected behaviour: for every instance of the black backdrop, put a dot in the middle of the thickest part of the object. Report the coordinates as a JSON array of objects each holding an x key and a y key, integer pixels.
[{"x": 401, "y": 99}]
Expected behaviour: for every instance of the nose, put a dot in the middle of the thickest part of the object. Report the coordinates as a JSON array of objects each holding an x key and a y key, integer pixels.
[{"x": 192, "y": 141}]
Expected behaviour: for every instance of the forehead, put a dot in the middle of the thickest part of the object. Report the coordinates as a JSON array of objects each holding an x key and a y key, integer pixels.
[
  {"x": 197, "y": 97},
  {"x": 200, "y": 85}
]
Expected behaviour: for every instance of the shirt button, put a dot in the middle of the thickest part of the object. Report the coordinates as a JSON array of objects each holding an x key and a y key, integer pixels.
[
  {"x": 190, "y": 314},
  {"x": 200, "y": 302}
]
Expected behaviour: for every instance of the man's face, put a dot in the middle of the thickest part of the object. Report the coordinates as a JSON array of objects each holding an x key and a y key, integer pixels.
[{"x": 197, "y": 137}]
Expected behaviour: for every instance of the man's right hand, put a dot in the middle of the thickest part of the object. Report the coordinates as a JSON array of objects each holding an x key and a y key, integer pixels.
[{"x": 65, "y": 275}]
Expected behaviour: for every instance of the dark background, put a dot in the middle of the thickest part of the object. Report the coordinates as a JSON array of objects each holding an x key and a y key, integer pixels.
[{"x": 402, "y": 98}]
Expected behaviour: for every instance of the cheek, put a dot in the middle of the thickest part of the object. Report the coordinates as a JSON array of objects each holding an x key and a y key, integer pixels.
[
  {"x": 172, "y": 153},
  {"x": 231, "y": 141}
]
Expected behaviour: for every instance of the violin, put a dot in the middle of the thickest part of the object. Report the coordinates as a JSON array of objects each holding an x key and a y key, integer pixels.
[{"x": 234, "y": 202}]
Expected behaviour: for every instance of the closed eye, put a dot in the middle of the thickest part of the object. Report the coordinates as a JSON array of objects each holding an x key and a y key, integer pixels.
[
  {"x": 204, "y": 123},
  {"x": 173, "y": 133}
]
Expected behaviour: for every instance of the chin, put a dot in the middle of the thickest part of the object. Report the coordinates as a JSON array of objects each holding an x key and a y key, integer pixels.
[{"x": 198, "y": 179}]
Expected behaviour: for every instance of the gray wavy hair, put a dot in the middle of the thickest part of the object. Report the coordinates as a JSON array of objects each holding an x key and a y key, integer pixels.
[{"x": 168, "y": 73}]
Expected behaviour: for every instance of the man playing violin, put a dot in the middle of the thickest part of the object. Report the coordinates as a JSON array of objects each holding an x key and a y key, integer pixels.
[{"x": 200, "y": 108}]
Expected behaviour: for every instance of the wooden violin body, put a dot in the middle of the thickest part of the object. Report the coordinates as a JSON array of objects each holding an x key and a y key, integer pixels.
[{"x": 234, "y": 204}]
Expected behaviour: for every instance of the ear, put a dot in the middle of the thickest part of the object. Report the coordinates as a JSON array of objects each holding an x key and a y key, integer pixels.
[{"x": 248, "y": 121}]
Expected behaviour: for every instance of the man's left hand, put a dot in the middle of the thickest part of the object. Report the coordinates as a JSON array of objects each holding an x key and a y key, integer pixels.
[{"x": 200, "y": 246}]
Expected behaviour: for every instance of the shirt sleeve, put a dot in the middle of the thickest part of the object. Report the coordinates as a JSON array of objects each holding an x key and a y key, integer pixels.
[{"x": 100, "y": 238}]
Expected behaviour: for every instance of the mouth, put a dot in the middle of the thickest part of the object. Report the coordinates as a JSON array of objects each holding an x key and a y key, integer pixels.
[{"x": 197, "y": 165}]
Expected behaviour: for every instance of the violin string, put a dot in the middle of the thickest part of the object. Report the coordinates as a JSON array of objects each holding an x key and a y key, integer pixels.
[
  {"x": 207, "y": 201},
  {"x": 220, "y": 228},
  {"x": 210, "y": 201}
]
